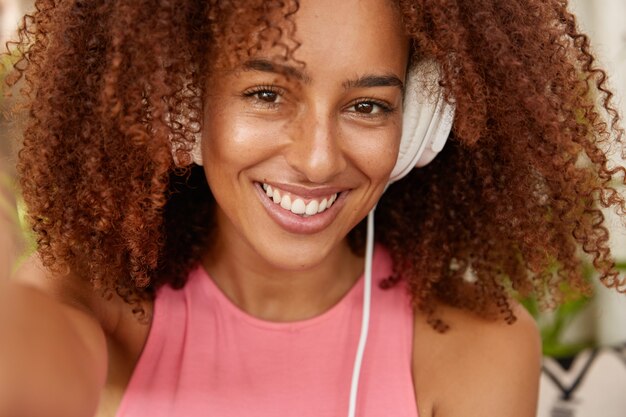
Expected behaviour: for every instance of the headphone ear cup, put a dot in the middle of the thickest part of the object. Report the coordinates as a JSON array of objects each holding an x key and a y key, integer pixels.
[{"x": 426, "y": 121}]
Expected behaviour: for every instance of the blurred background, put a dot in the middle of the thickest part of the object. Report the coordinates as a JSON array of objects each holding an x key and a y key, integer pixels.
[
  {"x": 583, "y": 341},
  {"x": 10, "y": 12}
]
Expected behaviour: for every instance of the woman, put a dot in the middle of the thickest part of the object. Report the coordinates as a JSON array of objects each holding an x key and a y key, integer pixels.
[{"x": 197, "y": 174}]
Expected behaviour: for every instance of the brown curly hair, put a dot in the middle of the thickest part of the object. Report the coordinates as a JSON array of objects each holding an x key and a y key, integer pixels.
[{"x": 508, "y": 205}]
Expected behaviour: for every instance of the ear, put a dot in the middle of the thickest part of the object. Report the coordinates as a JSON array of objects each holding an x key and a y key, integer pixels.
[
  {"x": 426, "y": 121},
  {"x": 183, "y": 156},
  {"x": 183, "y": 152},
  {"x": 196, "y": 150},
  {"x": 187, "y": 118}
]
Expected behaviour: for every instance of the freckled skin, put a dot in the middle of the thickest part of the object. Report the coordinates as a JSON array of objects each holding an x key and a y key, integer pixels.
[{"x": 319, "y": 129}]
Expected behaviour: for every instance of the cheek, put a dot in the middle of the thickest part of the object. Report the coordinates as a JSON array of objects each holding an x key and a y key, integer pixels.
[
  {"x": 236, "y": 142},
  {"x": 375, "y": 153}
]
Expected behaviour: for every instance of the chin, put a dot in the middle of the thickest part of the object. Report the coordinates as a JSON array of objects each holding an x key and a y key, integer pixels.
[{"x": 298, "y": 256}]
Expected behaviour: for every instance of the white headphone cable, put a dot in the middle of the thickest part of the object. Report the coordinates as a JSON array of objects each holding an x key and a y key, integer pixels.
[{"x": 365, "y": 320}]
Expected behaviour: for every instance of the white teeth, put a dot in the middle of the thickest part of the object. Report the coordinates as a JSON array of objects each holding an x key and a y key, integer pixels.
[
  {"x": 311, "y": 208},
  {"x": 285, "y": 202},
  {"x": 297, "y": 207},
  {"x": 322, "y": 206}
]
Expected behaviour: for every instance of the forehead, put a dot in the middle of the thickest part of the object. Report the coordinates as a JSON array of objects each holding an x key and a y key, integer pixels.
[
  {"x": 321, "y": 33},
  {"x": 363, "y": 32}
]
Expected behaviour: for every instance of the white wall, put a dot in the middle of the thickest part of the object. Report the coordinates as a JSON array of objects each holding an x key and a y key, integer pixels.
[{"x": 10, "y": 12}]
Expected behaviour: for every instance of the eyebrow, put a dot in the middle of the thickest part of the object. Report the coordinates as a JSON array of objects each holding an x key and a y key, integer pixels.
[
  {"x": 369, "y": 80},
  {"x": 365, "y": 81},
  {"x": 265, "y": 65}
]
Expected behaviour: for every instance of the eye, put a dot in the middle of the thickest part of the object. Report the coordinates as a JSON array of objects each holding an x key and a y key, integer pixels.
[
  {"x": 267, "y": 96},
  {"x": 264, "y": 95},
  {"x": 368, "y": 107}
]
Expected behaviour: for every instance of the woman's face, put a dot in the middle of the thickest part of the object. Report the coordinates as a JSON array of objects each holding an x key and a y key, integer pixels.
[{"x": 297, "y": 155}]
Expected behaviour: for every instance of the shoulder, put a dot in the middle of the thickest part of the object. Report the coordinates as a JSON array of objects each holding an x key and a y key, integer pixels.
[
  {"x": 92, "y": 314},
  {"x": 480, "y": 367}
]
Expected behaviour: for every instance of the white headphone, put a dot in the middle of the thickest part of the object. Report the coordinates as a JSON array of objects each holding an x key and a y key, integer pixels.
[{"x": 426, "y": 123}]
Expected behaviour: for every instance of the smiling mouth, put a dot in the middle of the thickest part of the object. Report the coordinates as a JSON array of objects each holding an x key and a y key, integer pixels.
[{"x": 305, "y": 207}]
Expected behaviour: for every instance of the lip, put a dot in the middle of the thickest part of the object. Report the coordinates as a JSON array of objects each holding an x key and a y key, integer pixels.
[{"x": 295, "y": 223}]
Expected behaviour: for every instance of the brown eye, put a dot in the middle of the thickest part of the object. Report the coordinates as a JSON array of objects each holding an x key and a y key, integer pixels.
[
  {"x": 365, "y": 107},
  {"x": 368, "y": 107},
  {"x": 267, "y": 96}
]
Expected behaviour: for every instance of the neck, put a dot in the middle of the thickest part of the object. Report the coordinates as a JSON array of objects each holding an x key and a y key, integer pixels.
[{"x": 273, "y": 294}]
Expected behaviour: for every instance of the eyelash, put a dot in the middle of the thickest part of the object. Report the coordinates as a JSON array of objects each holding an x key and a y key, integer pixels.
[
  {"x": 385, "y": 108},
  {"x": 252, "y": 95}
]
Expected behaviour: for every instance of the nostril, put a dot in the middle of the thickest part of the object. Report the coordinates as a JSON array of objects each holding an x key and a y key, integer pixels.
[{"x": 316, "y": 150}]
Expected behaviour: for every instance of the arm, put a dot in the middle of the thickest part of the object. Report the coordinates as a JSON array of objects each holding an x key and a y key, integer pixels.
[
  {"x": 480, "y": 368},
  {"x": 52, "y": 356},
  {"x": 10, "y": 236}
]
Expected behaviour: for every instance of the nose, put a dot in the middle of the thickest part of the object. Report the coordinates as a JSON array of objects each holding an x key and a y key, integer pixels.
[{"x": 315, "y": 150}]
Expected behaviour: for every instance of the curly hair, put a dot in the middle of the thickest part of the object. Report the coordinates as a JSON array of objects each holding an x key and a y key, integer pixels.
[{"x": 512, "y": 203}]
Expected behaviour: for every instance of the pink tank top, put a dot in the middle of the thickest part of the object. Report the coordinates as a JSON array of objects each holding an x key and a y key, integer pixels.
[{"x": 205, "y": 357}]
